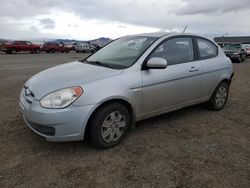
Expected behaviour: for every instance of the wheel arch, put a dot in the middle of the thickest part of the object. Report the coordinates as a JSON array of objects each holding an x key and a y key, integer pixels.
[
  {"x": 122, "y": 101},
  {"x": 224, "y": 79},
  {"x": 227, "y": 79}
]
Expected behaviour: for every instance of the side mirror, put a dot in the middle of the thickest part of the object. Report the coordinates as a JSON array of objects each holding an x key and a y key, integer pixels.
[{"x": 156, "y": 63}]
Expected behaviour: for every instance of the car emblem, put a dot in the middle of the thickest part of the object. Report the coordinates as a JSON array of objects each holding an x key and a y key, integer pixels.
[{"x": 27, "y": 92}]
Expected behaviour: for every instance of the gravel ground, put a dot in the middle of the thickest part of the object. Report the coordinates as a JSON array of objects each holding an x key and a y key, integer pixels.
[{"x": 192, "y": 147}]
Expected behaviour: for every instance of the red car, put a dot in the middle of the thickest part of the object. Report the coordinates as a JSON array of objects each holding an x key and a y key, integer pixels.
[
  {"x": 18, "y": 46},
  {"x": 248, "y": 50},
  {"x": 52, "y": 47}
]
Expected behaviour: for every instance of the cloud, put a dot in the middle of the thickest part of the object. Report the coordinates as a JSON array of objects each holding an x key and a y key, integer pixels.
[
  {"x": 74, "y": 25},
  {"x": 47, "y": 23},
  {"x": 202, "y": 17},
  {"x": 206, "y": 7},
  {"x": 121, "y": 26}
]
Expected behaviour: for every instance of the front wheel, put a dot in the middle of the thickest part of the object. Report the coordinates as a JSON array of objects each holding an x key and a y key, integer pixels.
[
  {"x": 219, "y": 97},
  {"x": 244, "y": 57},
  {"x": 108, "y": 125}
]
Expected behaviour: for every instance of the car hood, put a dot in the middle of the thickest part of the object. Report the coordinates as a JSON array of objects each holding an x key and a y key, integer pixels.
[{"x": 67, "y": 75}]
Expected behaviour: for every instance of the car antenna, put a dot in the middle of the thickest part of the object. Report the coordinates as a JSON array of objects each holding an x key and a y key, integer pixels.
[{"x": 184, "y": 29}]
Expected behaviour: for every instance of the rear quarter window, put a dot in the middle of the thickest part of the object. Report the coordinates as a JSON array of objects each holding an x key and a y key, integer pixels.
[{"x": 206, "y": 49}]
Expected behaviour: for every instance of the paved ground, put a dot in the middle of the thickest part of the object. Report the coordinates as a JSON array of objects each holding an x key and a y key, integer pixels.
[{"x": 193, "y": 147}]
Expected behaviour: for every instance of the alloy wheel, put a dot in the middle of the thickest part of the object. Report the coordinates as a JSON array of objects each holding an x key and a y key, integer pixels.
[
  {"x": 113, "y": 127},
  {"x": 221, "y": 96}
]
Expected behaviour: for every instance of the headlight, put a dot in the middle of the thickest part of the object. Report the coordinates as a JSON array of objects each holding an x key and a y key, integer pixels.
[{"x": 61, "y": 98}]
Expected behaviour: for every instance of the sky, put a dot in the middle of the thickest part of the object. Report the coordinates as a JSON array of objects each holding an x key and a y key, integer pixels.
[{"x": 90, "y": 19}]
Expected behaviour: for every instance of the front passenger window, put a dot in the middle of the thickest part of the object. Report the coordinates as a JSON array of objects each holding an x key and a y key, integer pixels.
[{"x": 175, "y": 51}]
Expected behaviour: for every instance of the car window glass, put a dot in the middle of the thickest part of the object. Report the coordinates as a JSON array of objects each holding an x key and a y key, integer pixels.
[
  {"x": 123, "y": 52},
  {"x": 175, "y": 51},
  {"x": 206, "y": 48}
]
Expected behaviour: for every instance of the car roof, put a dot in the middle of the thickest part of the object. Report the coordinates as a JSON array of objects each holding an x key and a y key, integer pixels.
[
  {"x": 155, "y": 34},
  {"x": 161, "y": 34}
]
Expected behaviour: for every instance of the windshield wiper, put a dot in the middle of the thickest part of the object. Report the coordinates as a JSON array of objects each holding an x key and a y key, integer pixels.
[{"x": 95, "y": 63}]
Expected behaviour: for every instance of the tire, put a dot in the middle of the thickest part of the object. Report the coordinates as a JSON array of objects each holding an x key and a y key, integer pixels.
[
  {"x": 239, "y": 59},
  {"x": 37, "y": 51},
  {"x": 219, "y": 97},
  {"x": 52, "y": 50},
  {"x": 245, "y": 57},
  {"x": 13, "y": 51},
  {"x": 108, "y": 125}
]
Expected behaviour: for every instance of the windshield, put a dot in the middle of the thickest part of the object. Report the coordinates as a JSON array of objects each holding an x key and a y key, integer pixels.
[
  {"x": 123, "y": 52},
  {"x": 232, "y": 47}
]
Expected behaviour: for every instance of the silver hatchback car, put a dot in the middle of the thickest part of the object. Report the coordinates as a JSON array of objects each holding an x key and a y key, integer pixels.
[{"x": 130, "y": 79}]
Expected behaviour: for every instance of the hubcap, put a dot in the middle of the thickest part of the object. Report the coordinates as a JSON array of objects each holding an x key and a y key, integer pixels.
[
  {"x": 221, "y": 96},
  {"x": 113, "y": 126}
]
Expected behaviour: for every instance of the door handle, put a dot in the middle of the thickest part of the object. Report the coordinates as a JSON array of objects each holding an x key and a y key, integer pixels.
[{"x": 193, "y": 69}]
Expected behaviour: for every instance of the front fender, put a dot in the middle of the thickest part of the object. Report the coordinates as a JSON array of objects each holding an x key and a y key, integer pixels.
[{"x": 116, "y": 87}]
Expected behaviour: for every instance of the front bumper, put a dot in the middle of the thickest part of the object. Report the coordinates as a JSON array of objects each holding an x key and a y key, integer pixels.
[
  {"x": 233, "y": 56},
  {"x": 57, "y": 125},
  {"x": 3, "y": 49}
]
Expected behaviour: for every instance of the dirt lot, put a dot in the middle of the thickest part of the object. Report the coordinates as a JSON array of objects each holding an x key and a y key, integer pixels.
[{"x": 193, "y": 147}]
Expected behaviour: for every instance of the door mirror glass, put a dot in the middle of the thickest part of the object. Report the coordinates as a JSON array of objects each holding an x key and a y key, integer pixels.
[{"x": 157, "y": 63}]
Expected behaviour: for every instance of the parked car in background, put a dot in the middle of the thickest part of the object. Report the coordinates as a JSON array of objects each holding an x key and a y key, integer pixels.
[
  {"x": 97, "y": 46},
  {"x": 74, "y": 46},
  {"x": 236, "y": 52},
  {"x": 85, "y": 48},
  {"x": 247, "y": 47},
  {"x": 130, "y": 79},
  {"x": 52, "y": 47},
  {"x": 69, "y": 46},
  {"x": 20, "y": 46}
]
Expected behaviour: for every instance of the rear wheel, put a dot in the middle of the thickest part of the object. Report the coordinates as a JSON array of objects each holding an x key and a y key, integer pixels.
[
  {"x": 13, "y": 51},
  {"x": 219, "y": 97},
  {"x": 37, "y": 51},
  {"x": 108, "y": 125},
  {"x": 52, "y": 50}
]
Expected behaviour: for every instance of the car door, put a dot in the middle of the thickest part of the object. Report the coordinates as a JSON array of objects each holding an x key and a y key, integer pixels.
[
  {"x": 23, "y": 46},
  {"x": 29, "y": 46},
  {"x": 178, "y": 84},
  {"x": 211, "y": 66}
]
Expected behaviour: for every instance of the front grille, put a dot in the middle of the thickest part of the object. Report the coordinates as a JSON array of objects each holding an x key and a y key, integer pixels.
[
  {"x": 229, "y": 53},
  {"x": 48, "y": 131},
  {"x": 27, "y": 97}
]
